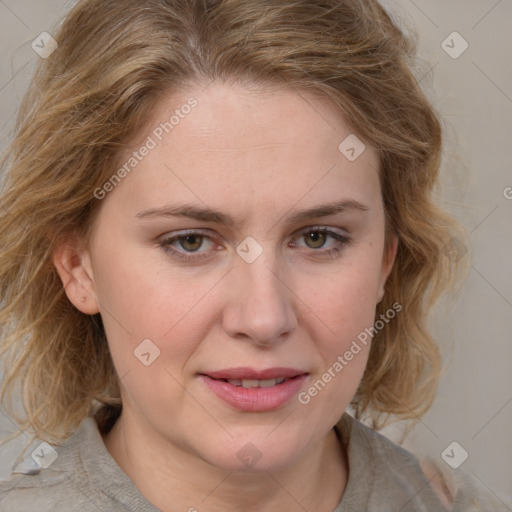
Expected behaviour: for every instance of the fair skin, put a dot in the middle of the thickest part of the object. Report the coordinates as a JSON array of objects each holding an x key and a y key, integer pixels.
[{"x": 259, "y": 158}]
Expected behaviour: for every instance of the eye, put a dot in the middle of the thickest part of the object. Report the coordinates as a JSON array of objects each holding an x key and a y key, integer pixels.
[
  {"x": 195, "y": 246},
  {"x": 315, "y": 239},
  {"x": 323, "y": 241},
  {"x": 188, "y": 245},
  {"x": 191, "y": 243}
]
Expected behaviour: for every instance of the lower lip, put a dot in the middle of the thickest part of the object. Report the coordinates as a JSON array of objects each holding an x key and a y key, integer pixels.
[{"x": 255, "y": 399}]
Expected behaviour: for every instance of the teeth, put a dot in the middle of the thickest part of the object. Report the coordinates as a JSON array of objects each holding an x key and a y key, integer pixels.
[
  {"x": 252, "y": 383},
  {"x": 267, "y": 383},
  {"x": 249, "y": 383}
]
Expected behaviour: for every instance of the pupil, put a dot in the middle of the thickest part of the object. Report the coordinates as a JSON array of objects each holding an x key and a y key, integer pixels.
[
  {"x": 191, "y": 242},
  {"x": 317, "y": 238}
]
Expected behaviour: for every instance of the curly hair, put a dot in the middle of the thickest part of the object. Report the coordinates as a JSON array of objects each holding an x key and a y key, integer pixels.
[{"x": 89, "y": 99}]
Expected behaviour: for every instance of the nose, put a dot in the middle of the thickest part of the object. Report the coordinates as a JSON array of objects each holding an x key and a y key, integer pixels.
[{"x": 260, "y": 306}]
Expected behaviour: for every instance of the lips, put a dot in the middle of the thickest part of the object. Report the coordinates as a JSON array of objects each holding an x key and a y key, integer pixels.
[
  {"x": 251, "y": 390},
  {"x": 246, "y": 373}
]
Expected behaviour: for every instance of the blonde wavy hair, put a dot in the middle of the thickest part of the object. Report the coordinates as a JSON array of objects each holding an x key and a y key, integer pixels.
[{"x": 90, "y": 98}]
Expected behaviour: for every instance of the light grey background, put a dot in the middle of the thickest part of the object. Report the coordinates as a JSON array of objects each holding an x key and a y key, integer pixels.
[{"x": 474, "y": 94}]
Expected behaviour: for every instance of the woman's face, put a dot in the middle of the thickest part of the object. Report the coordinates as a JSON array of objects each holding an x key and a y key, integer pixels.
[{"x": 242, "y": 247}]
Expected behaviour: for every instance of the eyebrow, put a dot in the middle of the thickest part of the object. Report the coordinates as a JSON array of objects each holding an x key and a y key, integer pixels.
[{"x": 209, "y": 215}]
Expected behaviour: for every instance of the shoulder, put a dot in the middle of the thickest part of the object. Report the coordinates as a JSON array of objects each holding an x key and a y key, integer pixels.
[
  {"x": 463, "y": 491},
  {"x": 438, "y": 482},
  {"x": 397, "y": 478},
  {"x": 59, "y": 493},
  {"x": 61, "y": 480}
]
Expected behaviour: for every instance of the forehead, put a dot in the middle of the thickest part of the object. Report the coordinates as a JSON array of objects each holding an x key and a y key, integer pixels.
[{"x": 237, "y": 145}]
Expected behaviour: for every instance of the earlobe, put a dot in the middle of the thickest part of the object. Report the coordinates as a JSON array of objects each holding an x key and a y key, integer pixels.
[
  {"x": 388, "y": 261},
  {"x": 74, "y": 268}
]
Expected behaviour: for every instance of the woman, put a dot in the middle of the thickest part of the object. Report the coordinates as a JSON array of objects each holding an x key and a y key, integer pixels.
[{"x": 218, "y": 233}]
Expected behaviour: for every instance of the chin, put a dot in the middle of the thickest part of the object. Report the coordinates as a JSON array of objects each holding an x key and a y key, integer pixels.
[{"x": 254, "y": 455}]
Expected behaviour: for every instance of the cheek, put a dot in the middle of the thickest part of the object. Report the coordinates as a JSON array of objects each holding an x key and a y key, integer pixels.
[
  {"x": 345, "y": 299},
  {"x": 142, "y": 299},
  {"x": 339, "y": 324},
  {"x": 346, "y": 315},
  {"x": 339, "y": 316}
]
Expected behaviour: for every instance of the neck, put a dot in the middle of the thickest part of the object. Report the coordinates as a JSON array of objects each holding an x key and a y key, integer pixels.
[{"x": 165, "y": 473}]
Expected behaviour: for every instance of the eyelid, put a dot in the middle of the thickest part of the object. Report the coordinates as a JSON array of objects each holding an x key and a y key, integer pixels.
[
  {"x": 330, "y": 230},
  {"x": 208, "y": 233},
  {"x": 319, "y": 227},
  {"x": 174, "y": 236}
]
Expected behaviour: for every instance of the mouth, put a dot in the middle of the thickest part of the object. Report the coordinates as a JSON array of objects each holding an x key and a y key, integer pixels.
[
  {"x": 254, "y": 383},
  {"x": 252, "y": 378},
  {"x": 260, "y": 383},
  {"x": 255, "y": 390}
]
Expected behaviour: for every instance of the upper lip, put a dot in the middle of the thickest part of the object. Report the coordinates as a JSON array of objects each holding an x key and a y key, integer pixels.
[{"x": 244, "y": 373}]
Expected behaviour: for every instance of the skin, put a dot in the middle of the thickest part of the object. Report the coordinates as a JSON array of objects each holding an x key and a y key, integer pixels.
[{"x": 258, "y": 156}]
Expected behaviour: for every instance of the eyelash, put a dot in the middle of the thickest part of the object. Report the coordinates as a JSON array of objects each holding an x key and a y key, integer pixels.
[{"x": 343, "y": 241}]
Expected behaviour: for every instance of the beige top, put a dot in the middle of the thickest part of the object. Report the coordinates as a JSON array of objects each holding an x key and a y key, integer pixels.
[{"x": 383, "y": 477}]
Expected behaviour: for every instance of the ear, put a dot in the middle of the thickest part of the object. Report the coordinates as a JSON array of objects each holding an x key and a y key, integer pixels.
[
  {"x": 388, "y": 259},
  {"x": 73, "y": 265}
]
